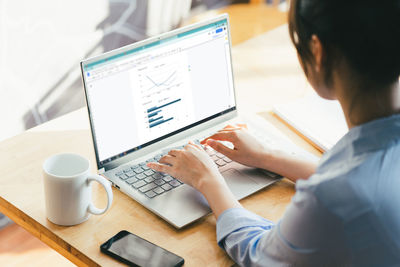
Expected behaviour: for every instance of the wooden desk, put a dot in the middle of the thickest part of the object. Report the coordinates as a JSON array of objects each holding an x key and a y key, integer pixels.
[{"x": 266, "y": 72}]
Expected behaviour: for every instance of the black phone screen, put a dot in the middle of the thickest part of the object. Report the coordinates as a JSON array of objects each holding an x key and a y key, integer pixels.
[{"x": 136, "y": 251}]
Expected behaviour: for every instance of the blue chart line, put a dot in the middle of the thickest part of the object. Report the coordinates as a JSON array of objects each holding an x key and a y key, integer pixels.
[
  {"x": 165, "y": 82},
  {"x": 155, "y": 119},
  {"x": 169, "y": 103},
  {"x": 159, "y": 122},
  {"x": 153, "y": 114}
]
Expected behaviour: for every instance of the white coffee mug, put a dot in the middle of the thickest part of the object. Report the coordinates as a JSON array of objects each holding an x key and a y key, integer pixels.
[{"x": 67, "y": 189}]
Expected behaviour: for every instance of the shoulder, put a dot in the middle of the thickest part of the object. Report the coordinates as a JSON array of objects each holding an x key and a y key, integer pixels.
[{"x": 350, "y": 183}]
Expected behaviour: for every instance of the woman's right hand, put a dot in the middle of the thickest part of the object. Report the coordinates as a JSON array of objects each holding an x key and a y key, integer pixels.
[{"x": 246, "y": 149}]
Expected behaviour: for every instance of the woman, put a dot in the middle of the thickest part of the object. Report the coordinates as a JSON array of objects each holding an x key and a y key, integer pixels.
[{"x": 346, "y": 210}]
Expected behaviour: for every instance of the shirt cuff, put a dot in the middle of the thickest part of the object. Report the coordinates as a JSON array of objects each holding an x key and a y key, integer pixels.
[{"x": 234, "y": 219}]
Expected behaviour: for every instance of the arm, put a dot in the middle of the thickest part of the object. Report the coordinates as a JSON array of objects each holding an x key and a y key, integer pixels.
[
  {"x": 219, "y": 197},
  {"x": 248, "y": 238},
  {"x": 307, "y": 235},
  {"x": 205, "y": 177},
  {"x": 248, "y": 151},
  {"x": 300, "y": 237},
  {"x": 287, "y": 165}
]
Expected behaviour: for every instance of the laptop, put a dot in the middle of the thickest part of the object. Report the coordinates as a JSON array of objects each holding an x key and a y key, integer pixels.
[{"x": 155, "y": 95}]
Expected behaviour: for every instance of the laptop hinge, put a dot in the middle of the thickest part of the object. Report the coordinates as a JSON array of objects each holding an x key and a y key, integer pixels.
[{"x": 102, "y": 170}]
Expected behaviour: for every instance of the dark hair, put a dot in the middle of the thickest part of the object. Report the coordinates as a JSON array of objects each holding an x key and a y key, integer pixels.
[{"x": 366, "y": 33}]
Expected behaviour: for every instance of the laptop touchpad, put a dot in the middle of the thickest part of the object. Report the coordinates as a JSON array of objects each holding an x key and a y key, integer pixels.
[{"x": 239, "y": 183}]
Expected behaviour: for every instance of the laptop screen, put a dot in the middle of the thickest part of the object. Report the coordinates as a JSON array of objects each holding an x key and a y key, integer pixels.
[{"x": 141, "y": 95}]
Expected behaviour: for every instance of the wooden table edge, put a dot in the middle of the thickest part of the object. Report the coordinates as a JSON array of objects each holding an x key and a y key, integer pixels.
[
  {"x": 45, "y": 235},
  {"x": 305, "y": 138}
]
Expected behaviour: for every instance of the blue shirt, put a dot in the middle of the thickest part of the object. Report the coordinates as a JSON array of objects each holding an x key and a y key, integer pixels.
[{"x": 347, "y": 213}]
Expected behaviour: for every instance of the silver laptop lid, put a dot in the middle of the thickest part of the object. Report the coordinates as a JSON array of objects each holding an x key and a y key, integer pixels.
[{"x": 157, "y": 89}]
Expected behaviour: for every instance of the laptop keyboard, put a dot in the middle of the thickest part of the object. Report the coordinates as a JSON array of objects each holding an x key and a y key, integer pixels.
[
  {"x": 152, "y": 183},
  {"x": 219, "y": 159},
  {"x": 147, "y": 181}
]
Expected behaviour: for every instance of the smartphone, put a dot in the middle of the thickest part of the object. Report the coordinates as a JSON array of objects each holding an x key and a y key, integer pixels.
[{"x": 135, "y": 251}]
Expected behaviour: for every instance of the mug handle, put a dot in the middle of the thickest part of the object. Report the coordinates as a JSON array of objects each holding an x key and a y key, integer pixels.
[{"x": 107, "y": 186}]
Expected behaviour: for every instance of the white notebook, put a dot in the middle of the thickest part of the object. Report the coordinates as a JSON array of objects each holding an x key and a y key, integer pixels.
[{"x": 319, "y": 120}]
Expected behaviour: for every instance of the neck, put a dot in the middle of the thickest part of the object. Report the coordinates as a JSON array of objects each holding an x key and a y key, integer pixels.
[{"x": 362, "y": 103}]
